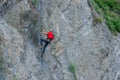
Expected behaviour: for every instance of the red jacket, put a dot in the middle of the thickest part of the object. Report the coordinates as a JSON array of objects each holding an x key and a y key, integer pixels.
[{"x": 50, "y": 35}]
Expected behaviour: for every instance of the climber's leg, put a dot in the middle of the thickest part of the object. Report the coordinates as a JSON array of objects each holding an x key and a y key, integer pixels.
[
  {"x": 42, "y": 40},
  {"x": 46, "y": 44}
]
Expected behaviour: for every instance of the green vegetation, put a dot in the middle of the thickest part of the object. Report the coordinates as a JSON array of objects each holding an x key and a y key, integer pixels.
[
  {"x": 72, "y": 69},
  {"x": 110, "y": 10},
  {"x": 18, "y": 0},
  {"x": 1, "y": 64},
  {"x": 1, "y": 61},
  {"x": 34, "y": 2},
  {"x": 15, "y": 78},
  {"x": 97, "y": 19}
]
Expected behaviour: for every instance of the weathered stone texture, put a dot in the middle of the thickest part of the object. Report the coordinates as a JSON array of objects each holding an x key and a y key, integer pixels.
[{"x": 92, "y": 48}]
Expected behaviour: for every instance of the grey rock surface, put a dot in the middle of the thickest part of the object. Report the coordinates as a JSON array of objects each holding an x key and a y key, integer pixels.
[{"x": 92, "y": 48}]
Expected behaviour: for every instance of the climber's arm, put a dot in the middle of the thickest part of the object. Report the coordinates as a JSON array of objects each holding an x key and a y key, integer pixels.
[{"x": 45, "y": 33}]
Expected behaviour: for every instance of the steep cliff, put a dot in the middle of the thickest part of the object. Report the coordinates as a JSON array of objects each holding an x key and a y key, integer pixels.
[{"x": 86, "y": 50}]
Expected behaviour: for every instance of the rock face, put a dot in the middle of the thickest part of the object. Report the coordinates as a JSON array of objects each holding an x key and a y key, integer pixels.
[{"x": 91, "y": 48}]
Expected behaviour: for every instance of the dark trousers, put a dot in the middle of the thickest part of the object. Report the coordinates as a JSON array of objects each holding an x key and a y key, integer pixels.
[{"x": 46, "y": 41}]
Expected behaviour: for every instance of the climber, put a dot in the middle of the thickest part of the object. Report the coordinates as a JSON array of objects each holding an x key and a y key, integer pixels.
[{"x": 50, "y": 37}]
